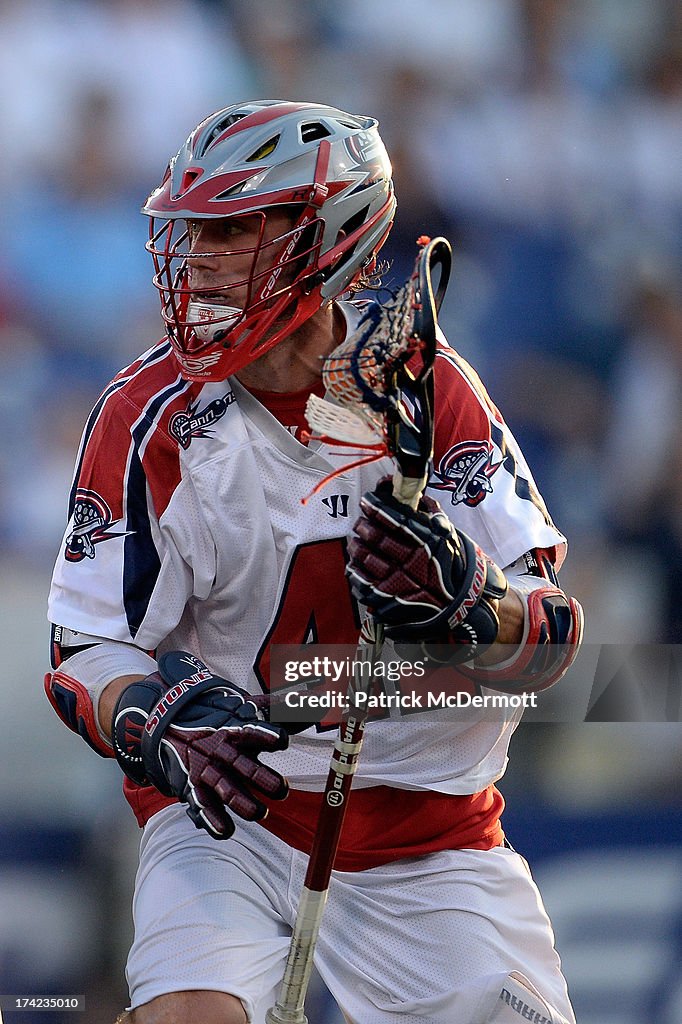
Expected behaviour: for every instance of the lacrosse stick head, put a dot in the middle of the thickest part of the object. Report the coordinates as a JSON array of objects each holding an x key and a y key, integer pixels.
[
  {"x": 356, "y": 374},
  {"x": 393, "y": 347}
]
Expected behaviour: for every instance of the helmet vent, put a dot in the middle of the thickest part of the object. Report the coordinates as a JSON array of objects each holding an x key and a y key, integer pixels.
[
  {"x": 351, "y": 225},
  {"x": 229, "y": 192},
  {"x": 355, "y": 221},
  {"x": 314, "y": 130},
  {"x": 188, "y": 178},
  {"x": 265, "y": 150},
  {"x": 217, "y": 130}
]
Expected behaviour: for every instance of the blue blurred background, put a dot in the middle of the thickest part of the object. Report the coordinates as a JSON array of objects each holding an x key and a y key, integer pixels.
[{"x": 544, "y": 138}]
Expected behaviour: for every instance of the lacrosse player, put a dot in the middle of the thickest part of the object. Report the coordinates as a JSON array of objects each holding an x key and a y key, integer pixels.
[{"x": 188, "y": 554}]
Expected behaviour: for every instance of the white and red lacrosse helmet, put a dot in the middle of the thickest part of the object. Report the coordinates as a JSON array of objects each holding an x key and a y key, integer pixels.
[{"x": 329, "y": 169}]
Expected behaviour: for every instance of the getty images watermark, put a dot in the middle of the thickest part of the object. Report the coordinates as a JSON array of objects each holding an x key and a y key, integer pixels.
[
  {"x": 320, "y": 683},
  {"x": 607, "y": 683},
  {"x": 325, "y": 671}
]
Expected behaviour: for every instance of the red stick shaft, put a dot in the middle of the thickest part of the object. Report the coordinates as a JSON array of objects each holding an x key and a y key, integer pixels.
[{"x": 335, "y": 802}]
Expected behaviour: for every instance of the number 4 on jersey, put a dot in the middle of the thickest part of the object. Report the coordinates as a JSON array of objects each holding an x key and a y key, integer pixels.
[{"x": 316, "y": 606}]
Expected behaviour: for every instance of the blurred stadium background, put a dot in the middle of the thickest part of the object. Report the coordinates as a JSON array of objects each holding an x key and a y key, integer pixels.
[{"x": 544, "y": 137}]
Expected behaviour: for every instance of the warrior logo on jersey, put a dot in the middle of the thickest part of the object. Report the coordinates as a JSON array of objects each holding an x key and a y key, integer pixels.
[
  {"x": 191, "y": 423},
  {"x": 91, "y": 522},
  {"x": 466, "y": 470}
]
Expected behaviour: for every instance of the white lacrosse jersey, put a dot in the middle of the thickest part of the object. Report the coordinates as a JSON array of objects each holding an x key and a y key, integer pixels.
[{"x": 187, "y": 531}]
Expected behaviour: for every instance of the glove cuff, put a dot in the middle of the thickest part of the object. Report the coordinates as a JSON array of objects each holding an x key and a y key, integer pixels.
[{"x": 130, "y": 717}]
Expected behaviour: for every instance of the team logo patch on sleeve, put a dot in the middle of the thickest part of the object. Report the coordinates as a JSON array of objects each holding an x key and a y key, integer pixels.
[
  {"x": 91, "y": 522},
  {"x": 191, "y": 423},
  {"x": 466, "y": 470}
]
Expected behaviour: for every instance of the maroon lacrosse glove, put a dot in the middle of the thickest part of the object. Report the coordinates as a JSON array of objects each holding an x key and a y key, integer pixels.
[
  {"x": 198, "y": 737},
  {"x": 427, "y": 582}
]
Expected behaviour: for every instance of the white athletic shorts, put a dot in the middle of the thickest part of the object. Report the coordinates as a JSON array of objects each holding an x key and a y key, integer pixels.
[{"x": 458, "y": 936}]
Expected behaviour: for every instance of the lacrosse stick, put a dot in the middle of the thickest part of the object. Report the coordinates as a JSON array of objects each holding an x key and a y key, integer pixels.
[{"x": 381, "y": 382}]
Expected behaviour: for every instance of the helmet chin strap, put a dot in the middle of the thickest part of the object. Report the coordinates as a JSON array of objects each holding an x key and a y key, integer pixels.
[{"x": 210, "y": 320}]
